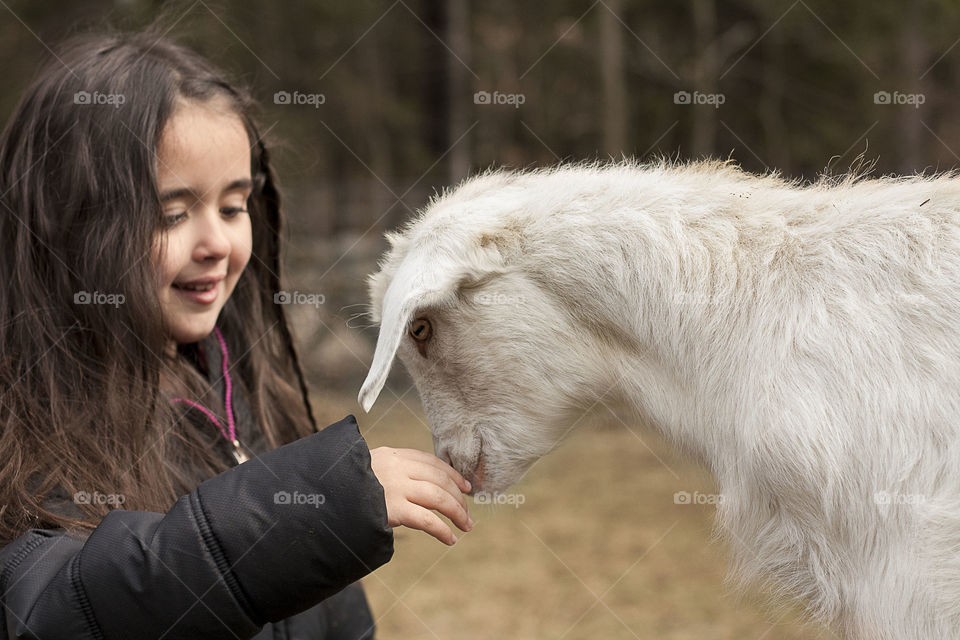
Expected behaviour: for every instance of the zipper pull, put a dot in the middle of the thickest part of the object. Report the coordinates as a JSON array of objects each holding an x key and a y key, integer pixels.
[{"x": 238, "y": 453}]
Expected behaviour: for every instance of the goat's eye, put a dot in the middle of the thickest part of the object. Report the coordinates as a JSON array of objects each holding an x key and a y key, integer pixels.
[{"x": 421, "y": 330}]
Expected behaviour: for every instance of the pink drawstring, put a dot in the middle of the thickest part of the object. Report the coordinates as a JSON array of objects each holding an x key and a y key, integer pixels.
[{"x": 230, "y": 435}]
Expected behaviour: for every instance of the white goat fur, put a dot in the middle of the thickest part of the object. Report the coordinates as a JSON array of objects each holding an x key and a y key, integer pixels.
[{"x": 802, "y": 341}]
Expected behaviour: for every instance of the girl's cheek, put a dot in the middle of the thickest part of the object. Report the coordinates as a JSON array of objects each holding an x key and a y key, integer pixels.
[
  {"x": 167, "y": 258},
  {"x": 157, "y": 261},
  {"x": 244, "y": 246},
  {"x": 244, "y": 259}
]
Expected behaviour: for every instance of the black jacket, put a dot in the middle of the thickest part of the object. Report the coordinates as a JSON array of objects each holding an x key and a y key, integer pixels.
[{"x": 249, "y": 554}]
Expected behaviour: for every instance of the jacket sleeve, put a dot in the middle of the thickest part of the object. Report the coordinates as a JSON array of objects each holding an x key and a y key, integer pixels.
[{"x": 257, "y": 543}]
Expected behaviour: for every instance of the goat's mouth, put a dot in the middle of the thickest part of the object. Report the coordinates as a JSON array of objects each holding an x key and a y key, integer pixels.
[{"x": 474, "y": 474}]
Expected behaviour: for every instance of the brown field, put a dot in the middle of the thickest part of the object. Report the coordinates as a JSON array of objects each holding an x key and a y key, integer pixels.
[{"x": 597, "y": 549}]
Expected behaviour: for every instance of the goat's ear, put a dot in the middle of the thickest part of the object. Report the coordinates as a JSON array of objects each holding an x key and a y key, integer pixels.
[
  {"x": 427, "y": 276},
  {"x": 416, "y": 284}
]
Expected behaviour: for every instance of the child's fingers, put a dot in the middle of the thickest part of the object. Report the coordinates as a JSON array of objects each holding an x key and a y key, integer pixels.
[
  {"x": 436, "y": 477},
  {"x": 431, "y": 496},
  {"x": 416, "y": 465},
  {"x": 437, "y": 463},
  {"x": 417, "y": 517}
]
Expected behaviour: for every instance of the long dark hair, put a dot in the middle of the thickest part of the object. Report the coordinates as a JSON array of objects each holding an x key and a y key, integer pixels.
[{"x": 81, "y": 401}]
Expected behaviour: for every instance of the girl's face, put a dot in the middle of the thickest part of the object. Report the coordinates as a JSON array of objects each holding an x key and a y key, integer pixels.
[{"x": 203, "y": 176}]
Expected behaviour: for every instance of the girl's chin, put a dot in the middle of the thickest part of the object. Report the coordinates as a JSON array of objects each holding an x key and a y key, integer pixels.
[
  {"x": 189, "y": 320},
  {"x": 185, "y": 333}
]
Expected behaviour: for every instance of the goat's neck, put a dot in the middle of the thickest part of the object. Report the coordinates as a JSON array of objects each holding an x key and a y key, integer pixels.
[{"x": 666, "y": 300}]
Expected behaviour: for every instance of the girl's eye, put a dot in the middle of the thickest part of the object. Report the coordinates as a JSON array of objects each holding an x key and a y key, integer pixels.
[{"x": 172, "y": 219}]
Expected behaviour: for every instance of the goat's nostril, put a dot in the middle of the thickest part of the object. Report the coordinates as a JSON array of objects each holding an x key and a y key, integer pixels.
[
  {"x": 476, "y": 476},
  {"x": 441, "y": 452}
]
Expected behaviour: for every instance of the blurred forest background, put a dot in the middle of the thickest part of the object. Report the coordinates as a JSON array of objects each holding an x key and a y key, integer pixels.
[
  {"x": 371, "y": 107},
  {"x": 391, "y": 107}
]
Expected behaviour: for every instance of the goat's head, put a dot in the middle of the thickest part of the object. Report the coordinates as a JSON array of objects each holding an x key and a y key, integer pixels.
[{"x": 500, "y": 367}]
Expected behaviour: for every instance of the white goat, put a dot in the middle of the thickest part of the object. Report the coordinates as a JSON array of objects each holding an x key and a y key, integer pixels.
[{"x": 802, "y": 341}]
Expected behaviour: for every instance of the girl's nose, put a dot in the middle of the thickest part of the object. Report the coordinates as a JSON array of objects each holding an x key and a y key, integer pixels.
[{"x": 212, "y": 238}]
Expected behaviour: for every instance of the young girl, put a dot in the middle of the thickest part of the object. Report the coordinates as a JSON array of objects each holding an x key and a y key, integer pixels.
[{"x": 158, "y": 474}]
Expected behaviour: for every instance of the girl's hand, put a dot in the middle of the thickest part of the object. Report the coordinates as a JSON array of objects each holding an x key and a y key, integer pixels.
[{"x": 415, "y": 483}]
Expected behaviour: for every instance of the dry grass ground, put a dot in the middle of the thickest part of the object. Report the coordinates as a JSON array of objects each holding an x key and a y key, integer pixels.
[{"x": 597, "y": 549}]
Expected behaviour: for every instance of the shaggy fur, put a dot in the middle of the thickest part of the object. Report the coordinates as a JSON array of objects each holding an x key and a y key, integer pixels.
[{"x": 802, "y": 341}]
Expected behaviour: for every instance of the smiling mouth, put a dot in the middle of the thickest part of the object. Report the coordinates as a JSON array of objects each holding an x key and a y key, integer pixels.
[
  {"x": 195, "y": 287},
  {"x": 204, "y": 294}
]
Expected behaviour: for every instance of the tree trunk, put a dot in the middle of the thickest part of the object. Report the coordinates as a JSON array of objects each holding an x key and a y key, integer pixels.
[
  {"x": 913, "y": 53},
  {"x": 460, "y": 97},
  {"x": 435, "y": 78},
  {"x": 377, "y": 149},
  {"x": 704, "y": 135},
  {"x": 771, "y": 102},
  {"x": 611, "y": 71}
]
